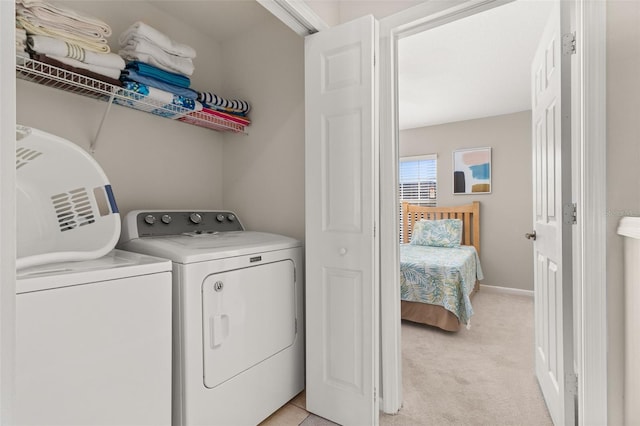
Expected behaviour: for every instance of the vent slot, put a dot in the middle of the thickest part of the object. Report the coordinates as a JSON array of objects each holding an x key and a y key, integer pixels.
[
  {"x": 25, "y": 155},
  {"x": 73, "y": 209}
]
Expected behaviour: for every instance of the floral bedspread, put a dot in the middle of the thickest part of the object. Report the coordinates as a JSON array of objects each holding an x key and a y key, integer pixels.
[{"x": 440, "y": 276}]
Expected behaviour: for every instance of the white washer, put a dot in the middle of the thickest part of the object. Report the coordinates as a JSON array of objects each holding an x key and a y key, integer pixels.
[
  {"x": 93, "y": 342},
  {"x": 238, "y": 313}
]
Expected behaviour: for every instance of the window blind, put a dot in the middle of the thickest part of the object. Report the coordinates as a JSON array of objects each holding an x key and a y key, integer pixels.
[{"x": 417, "y": 182}]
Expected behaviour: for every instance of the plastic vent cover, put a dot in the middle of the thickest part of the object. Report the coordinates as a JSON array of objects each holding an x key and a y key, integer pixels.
[{"x": 65, "y": 207}]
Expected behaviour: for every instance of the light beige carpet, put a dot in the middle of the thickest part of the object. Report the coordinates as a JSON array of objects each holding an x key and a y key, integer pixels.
[{"x": 481, "y": 376}]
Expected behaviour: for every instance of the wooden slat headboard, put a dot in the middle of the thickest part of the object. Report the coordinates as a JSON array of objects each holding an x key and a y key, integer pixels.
[{"x": 468, "y": 213}]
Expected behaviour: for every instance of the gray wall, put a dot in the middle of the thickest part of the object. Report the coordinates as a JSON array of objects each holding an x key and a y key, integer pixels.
[
  {"x": 264, "y": 171},
  {"x": 505, "y": 213},
  {"x": 623, "y": 174}
]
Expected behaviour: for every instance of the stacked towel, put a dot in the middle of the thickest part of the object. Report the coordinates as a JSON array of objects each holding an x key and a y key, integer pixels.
[
  {"x": 58, "y": 35},
  {"x": 162, "y": 103},
  {"x": 160, "y": 79},
  {"x": 158, "y": 68},
  {"x": 21, "y": 42},
  {"x": 41, "y": 18},
  {"x": 107, "y": 64},
  {"x": 141, "y": 42},
  {"x": 215, "y": 102}
]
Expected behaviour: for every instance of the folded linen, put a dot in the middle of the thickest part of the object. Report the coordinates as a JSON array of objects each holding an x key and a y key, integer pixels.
[
  {"x": 233, "y": 105},
  {"x": 108, "y": 72},
  {"x": 230, "y": 117},
  {"x": 141, "y": 31},
  {"x": 147, "y": 70},
  {"x": 83, "y": 72},
  {"x": 60, "y": 48},
  {"x": 64, "y": 18},
  {"x": 155, "y": 101},
  {"x": 96, "y": 45},
  {"x": 146, "y": 51},
  {"x": 131, "y": 75},
  {"x": 21, "y": 34}
]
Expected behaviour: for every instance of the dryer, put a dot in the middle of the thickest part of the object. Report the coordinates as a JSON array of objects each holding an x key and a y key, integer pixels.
[{"x": 238, "y": 332}]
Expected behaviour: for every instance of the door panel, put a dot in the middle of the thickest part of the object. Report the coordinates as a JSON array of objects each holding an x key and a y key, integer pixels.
[
  {"x": 245, "y": 323},
  {"x": 341, "y": 211},
  {"x": 550, "y": 77}
]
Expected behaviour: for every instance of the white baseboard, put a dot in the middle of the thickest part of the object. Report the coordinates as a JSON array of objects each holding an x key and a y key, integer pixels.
[{"x": 505, "y": 290}]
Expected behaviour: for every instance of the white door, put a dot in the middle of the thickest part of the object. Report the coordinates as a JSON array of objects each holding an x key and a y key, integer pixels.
[
  {"x": 341, "y": 213},
  {"x": 551, "y": 128}
]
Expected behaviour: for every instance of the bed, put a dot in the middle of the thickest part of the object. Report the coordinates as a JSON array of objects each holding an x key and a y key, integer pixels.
[{"x": 439, "y": 264}]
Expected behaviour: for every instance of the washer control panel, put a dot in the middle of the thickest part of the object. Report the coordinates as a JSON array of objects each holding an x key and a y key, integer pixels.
[{"x": 153, "y": 223}]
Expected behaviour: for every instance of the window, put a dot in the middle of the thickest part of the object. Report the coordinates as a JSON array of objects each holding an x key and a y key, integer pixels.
[{"x": 417, "y": 182}]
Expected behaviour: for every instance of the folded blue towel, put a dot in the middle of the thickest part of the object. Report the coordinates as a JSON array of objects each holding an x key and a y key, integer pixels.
[
  {"x": 165, "y": 101},
  {"x": 147, "y": 70},
  {"x": 130, "y": 75}
]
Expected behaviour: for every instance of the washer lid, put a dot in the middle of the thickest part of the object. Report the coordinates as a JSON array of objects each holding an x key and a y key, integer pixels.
[
  {"x": 192, "y": 247},
  {"x": 115, "y": 265}
]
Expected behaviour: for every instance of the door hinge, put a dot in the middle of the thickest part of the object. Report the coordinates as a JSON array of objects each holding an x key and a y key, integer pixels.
[
  {"x": 571, "y": 383},
  {"x": 375, "y": 394},
  {"x": 570, "y": 214},
  {"x": 569, "y": 44}
]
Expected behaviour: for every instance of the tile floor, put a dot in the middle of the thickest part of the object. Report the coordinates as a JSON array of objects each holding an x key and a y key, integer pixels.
[{"x": 294, "y": 413}]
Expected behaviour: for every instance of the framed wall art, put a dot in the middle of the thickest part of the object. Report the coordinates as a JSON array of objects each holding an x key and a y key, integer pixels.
[{"x": 472, "y": 171}]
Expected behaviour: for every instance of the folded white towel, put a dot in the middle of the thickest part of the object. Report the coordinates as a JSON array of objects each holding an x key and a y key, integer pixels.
[
  {"x": 144, "y": 51},
  {"x": 64, "y": 18},
  {"x": 140, "y": 30},
  {"x": 56, "y": 47},
  {"x": 21, "y": 34},
  {"x": 96, "y": 45},
  {"x": 107, "y": 72}
]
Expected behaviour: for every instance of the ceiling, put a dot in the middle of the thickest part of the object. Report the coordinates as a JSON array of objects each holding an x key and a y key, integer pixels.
[
  {"x": 475, "y": 67},
  {"x": 471, "y": 68}
]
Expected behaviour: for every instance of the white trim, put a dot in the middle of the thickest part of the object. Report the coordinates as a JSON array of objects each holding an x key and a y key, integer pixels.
[
  {"x": 296, "y": 15},
  {"x": 506, "y": 290},
  {"x": 420, "y": 157},
  {"x": 7, "y": 209},
  {"x": 591, "y": 44}
]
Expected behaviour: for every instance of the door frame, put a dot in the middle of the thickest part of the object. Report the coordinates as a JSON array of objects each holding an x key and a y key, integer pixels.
[
  {"x": 589, "y": 172},
  {"x": 7, "y": 209}
]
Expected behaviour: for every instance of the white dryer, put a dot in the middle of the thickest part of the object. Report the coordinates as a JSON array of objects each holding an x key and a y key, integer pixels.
[
  {"x": 93, "y": 342},
  {"x": 237, "y": 313}
]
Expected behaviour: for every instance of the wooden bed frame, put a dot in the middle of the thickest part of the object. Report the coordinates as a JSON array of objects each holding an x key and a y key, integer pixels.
[{"x": 470, "y": 215}]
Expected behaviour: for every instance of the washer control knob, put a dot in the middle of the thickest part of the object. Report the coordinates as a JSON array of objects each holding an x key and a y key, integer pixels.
[
  {"x": 231, "y": 217},
  {"x": 150, "y": 219},
  {"x": 220, "y": 218},
  {"x": 195, "y": 218},
  {"x": 166, "y": 219}
]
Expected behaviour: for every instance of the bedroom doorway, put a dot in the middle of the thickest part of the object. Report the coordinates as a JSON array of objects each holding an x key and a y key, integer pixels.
[
  {"x": 588, "y": 158},
  {"x": 456, "y": 98}
]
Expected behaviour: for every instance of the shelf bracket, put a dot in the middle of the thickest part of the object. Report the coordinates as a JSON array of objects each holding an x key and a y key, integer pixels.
[{"x": 94, "y": 142}]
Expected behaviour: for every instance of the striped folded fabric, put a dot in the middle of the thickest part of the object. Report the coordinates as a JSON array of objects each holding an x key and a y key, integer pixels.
[{"x": 216, "y": 102}]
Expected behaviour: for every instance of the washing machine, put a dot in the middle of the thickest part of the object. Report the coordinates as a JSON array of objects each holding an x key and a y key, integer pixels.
[
  {"x": 93, "y": 342},
  {"x": 237, "y": 313}
]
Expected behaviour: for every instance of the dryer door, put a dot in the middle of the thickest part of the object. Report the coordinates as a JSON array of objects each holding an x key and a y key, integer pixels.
[{"x": 248, "y": 315}]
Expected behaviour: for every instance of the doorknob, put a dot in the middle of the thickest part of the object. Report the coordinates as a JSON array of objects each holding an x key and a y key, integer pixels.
[{"x": 530, "y": 235}]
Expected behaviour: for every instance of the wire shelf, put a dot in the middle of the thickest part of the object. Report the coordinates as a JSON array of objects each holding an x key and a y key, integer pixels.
[{"x": 59, "y": 78}]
